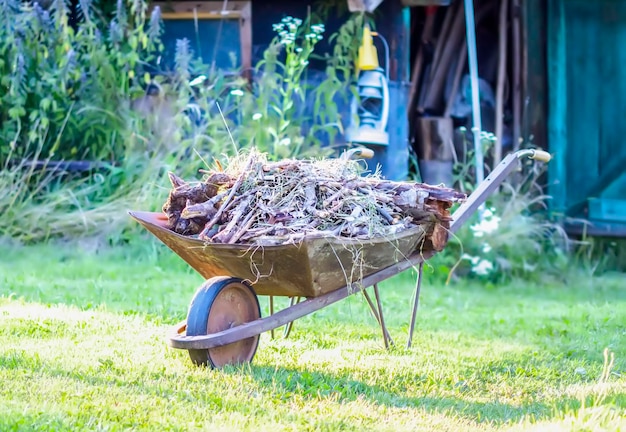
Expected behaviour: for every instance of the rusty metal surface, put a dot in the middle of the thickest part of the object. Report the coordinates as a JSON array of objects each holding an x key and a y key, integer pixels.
[
  {"x": 309, "y": 269},
  {"x": 178, "y": 338}
]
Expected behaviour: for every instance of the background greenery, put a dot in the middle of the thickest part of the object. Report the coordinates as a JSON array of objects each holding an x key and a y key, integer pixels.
[
  {"x": 73, "y": 92},
  {"x": 74, "y": 81}
]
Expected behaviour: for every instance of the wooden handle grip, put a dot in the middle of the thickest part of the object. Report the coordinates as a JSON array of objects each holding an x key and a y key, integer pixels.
[{"x": 541, "y": 156}]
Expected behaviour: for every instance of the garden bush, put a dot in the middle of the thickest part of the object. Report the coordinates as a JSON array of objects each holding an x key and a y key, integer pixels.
[{"x": 66, "y": 89}]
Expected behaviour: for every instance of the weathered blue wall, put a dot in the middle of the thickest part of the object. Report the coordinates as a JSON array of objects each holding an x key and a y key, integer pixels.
[{"x": 587, "y": 111}]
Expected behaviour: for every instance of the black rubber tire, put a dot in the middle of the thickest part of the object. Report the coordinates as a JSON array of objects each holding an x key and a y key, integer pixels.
[{"x": 200, "y": 310}]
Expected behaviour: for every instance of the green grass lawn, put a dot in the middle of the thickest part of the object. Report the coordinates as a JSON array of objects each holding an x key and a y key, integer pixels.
[{"x": 82, "y": 347}]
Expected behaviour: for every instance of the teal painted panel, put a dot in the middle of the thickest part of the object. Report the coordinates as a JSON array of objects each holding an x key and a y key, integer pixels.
[
  {"x": 587, "y": 85},
  {"x": 557, "y": 106},
  {"x": 605, "y": 209},
  {"x": 612, "y": 84},
  {"x": 583, "y": 109}
]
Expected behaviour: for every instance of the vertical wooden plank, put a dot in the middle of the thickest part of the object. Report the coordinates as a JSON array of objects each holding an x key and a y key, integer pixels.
[
  {"x": 405, "y": 75},
  {"x": 557, "y": 99},
  {"x": 245, "y": 34},
  {"x": 396, "y": 28},
  {"x": 584, "y": 52},
  {"x": 394, "y": 24},
  {"x": 612, "y": 87},
  {"x": 587, "y": 94},
  {"x": 611, "y": 179},
  {"x": 516, "y": 64}
]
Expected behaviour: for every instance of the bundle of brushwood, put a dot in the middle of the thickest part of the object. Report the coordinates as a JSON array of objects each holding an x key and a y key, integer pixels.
[{"x": 253, "y": 201}]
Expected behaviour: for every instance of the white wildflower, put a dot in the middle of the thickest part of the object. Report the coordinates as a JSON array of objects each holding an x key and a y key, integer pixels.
[
  {"x": 198, "y": 80},
  {"x": 472, "y": 259},
  {"x": 489, "y": 223},
  {"x": 482, "y": 268}
]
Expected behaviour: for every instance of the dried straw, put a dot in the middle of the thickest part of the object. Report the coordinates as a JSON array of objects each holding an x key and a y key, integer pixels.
[{"x": 254, "y": 201}]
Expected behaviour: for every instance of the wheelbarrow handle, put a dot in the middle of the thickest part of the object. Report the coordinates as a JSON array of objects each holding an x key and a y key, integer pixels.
[
  {"x": 492, "y": 182},
  {"x": 541, "y": 156},
  {"x": 358, "y": 152}
]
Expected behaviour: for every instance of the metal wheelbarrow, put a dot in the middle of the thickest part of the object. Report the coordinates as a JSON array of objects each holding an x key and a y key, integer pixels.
[{"x": 224, "y": 320}]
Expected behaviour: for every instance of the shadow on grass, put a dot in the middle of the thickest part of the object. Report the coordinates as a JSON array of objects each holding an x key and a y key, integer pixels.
[
  {"x": 280, "y": 384},
  {"x": 315, "y": 385}
]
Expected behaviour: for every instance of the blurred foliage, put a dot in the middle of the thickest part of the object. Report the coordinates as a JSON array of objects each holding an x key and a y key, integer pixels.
[
  {"x": 82, "y": 82},
  {"x": 77, "y": 90},
  {"x": 511, "y": 235},
  {"x": 65, "y": 89}
]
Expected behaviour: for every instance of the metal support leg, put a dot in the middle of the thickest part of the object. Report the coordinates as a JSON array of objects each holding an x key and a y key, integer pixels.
[
  {"x": 380, "y": 315},
  {"x": 272, "y": 313},
  {"x": 377, "y": 315},
  {"x": 292, "y": 301},
  {"x": 416, "y": 300}
]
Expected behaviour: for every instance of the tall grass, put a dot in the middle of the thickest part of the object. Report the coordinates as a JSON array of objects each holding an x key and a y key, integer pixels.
[{"x": 39, "y": 203}]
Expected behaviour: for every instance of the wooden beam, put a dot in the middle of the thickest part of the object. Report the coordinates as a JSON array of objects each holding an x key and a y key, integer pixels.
[
  {"x": 213, "y": 8},
  {"x": 502, "y": 62}
]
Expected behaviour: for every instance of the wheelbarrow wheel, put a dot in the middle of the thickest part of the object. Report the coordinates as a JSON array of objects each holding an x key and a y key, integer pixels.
[{"x": 219, "y": 304}]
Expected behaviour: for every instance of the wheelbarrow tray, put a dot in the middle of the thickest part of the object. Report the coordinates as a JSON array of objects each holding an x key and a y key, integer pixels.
[{"x": 309, "y": 268}]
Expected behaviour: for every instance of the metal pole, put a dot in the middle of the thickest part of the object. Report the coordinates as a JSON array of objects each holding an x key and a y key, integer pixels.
[
  {"x": 380, "y": 315},
  {"x": 470, "y": 28},
  {"x": 292, "y": 301},
  {"x": 416, "y": 300},
  {"x": 376, "y": 315},
  {"x": 272, "y": 312}
]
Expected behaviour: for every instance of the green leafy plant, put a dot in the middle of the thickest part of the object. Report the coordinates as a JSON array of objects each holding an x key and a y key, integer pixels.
[
  {"x": 88, "y": 101},
  {"x": 464, "y": 166},
  {"x": 597, "y": 255},
  {"x": 66, "y": 89},
  {"x": 281, "y": 111},
  {"x": 271, "y": 115},
  {"x": 510, "y": 238}
]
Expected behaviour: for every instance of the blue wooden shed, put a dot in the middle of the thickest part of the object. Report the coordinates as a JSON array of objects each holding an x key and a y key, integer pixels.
[{"x": 586, "y": 128}]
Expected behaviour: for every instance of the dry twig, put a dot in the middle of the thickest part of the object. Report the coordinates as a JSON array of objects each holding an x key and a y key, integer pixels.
[{"x": 254, "y": 200}]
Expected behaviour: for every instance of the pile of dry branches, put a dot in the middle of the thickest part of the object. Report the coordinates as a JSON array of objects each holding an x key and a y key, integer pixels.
[{"x": 256, "y": 201}]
